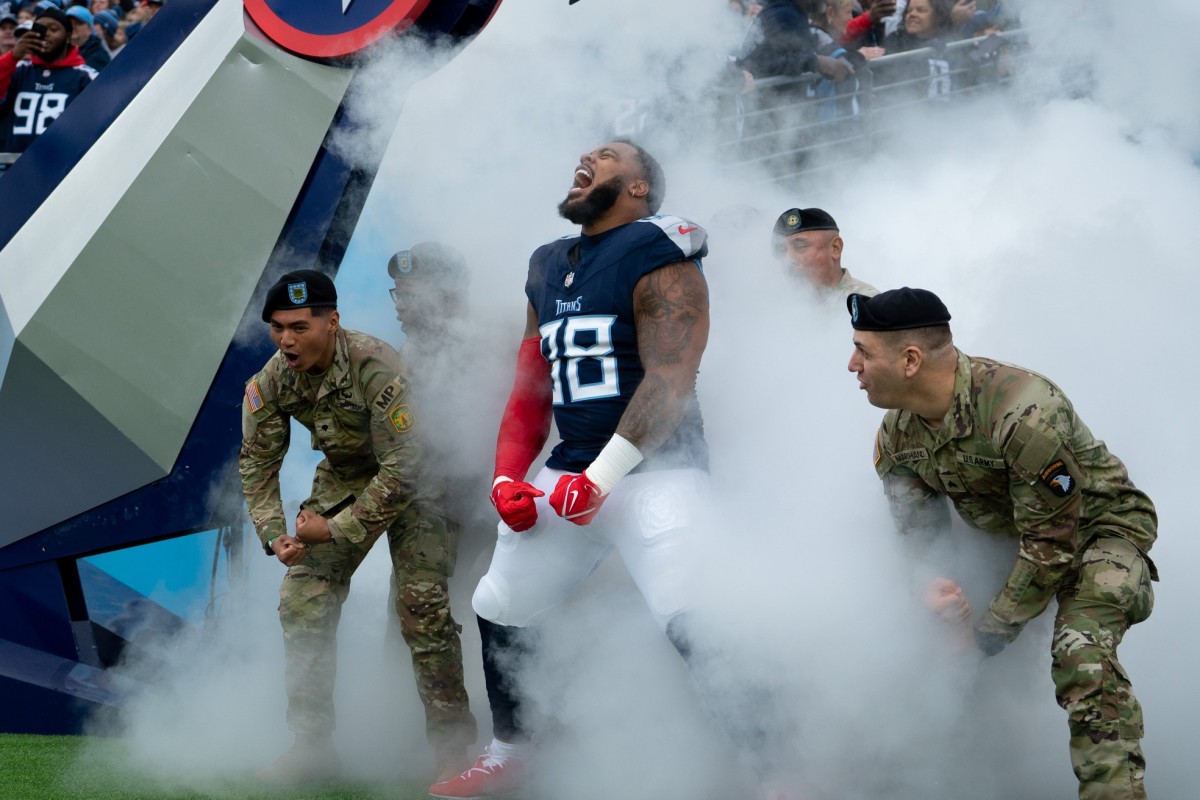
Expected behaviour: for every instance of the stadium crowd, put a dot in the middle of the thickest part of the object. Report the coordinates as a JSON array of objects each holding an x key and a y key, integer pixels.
[
  {"x": 819, "y": 48},
  {"x": 786, "y": 37},
  {"x": 803, "y": 72},
  {"x": 50, "y": 50}
]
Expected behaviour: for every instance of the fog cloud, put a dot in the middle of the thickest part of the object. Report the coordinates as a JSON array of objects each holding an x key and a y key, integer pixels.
[{"x": 1058, "y": 229}]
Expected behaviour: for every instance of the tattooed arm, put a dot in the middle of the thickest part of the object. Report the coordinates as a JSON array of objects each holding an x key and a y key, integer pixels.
[{"x": 670, "y": 309}]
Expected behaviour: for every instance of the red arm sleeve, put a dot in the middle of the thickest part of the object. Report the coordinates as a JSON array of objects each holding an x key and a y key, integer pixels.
[
  {"x": 526, "y": 423},
  {"x": 8, "y": 65},
  {"x": 856, "y": 29}
]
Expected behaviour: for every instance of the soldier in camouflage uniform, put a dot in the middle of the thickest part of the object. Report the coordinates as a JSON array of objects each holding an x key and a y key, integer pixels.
[
  {"x": 351, "y": 392},
  {"x": 1007, "y": 448},
  {"x": 809, "y": 241}
]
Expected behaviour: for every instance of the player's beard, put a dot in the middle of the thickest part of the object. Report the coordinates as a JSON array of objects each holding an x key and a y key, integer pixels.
[{"x": 597, "y": 203}]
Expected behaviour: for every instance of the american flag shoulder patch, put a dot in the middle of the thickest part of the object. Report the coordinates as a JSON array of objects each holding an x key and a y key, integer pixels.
[{"x": 254, "y": 396}]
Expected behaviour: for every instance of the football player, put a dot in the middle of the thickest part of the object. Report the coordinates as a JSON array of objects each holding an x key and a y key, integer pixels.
[{"x": 616, "y": 324}]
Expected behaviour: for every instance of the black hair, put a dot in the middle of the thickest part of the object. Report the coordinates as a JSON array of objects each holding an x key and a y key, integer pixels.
[{"x": 652, "y": 174}]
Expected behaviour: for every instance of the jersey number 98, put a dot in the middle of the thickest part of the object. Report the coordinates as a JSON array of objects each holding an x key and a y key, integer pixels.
[
  {"x": 34, "y": 111},
  {"x": 561, "y": 346}
]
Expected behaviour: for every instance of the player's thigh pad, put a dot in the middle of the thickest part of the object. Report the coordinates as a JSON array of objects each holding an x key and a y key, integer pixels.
[
  {"x": 653, "y": 525},
  {"x": 535, "y": 570}
]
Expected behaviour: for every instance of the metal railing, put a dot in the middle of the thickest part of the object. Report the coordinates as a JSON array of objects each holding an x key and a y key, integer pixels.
[{"x": 790, "y": 126}]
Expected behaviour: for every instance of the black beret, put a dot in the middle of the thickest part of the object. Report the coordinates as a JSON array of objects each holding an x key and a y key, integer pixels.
[
  {"x": 897, "y": 310},
  {"x": 795, "y": 220},
  {"x": 304, "y": 288},
  {"x": 429, "y": 260},
  {"x": 55, "y": 13}
]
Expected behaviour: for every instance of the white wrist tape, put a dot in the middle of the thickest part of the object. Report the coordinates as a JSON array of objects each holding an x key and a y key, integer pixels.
[
  {"x": 614, "y": 462},
  {"x": 501, "y": 479}
]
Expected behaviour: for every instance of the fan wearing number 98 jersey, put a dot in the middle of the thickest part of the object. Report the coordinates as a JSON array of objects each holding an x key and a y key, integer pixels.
[
  {"x": 35, "y": 93},
  {"x": 581, "y": 288}
]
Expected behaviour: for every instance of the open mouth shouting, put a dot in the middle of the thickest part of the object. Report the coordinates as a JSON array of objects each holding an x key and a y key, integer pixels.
[{"x": 583, "y": 180}]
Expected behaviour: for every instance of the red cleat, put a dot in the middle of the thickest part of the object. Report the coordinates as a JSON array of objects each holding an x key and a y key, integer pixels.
[{"x": 489, "y": 777}]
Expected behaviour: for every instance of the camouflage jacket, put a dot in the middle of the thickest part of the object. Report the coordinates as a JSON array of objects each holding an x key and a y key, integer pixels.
[
  {"x": 360, "y": 419},
  {"x": 1015, "y": 460}
]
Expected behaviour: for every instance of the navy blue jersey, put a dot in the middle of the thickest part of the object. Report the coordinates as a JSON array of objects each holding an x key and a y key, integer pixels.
[
  {"x": 582, "y": 290},
  {"x": 36, "y": 95}
]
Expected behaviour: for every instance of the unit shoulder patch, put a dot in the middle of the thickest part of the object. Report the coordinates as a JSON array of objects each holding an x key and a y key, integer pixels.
[
  {"x": 401, "y": 418},
  {"x": 1057, "y": 478}
]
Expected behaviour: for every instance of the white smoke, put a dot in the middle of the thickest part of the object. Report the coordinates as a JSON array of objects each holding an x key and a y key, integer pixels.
[{"x": 1059, "y": 233}]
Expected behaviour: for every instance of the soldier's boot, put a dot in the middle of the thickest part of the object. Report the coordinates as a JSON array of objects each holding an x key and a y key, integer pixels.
[
  {"x": 1112, "y": 769},
  {"x": 310, "y": 761}
]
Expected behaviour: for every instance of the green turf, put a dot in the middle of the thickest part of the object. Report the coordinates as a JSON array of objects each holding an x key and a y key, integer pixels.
[{"x": 84, "y": 768}]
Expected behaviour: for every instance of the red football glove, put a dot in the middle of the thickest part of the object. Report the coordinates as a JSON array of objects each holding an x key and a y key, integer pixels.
[
  {"x": 576, "y": 498},
  {"x": 514, "y": 501}
]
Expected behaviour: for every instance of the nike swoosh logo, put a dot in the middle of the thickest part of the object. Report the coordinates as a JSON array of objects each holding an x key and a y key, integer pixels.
[
  {"x": 687, "y": 230},
  {"x": 571, "y": 503}
]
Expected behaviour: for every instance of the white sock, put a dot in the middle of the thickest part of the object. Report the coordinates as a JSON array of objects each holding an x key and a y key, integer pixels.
[{"x": 503, "y": 751}]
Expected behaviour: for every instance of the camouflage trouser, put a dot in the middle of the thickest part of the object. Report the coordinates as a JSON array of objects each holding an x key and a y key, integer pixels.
[
  {"x": 1111, "y": 590},
  {"x": 311, "y": 598}
]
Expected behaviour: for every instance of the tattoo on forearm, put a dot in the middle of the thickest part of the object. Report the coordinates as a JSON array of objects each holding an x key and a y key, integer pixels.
[{"x": 642, "y": 423}]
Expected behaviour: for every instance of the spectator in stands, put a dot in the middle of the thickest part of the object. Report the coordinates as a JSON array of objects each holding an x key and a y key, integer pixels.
[
  {"x": 780, "y": 42},
  {"x": 886, "y": 17},
  {"x": 868, "y": 30},
  {"x": 8, "y": 35},
  {"x": 96, "y": 6},
  {"x": 837, "y": 101},
  {"x": 111, "y": 32},
  {"x": 95, "y": 55},
  {"x": 36, "y": 93},
  {"x": 924, "y": 21},
  {"x": 927, "y": 24}
]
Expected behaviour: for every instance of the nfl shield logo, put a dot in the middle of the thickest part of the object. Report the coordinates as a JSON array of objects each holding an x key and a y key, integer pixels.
[
  {"x": 569, "y": 280},
  {"x": 298, "y": 292}
]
